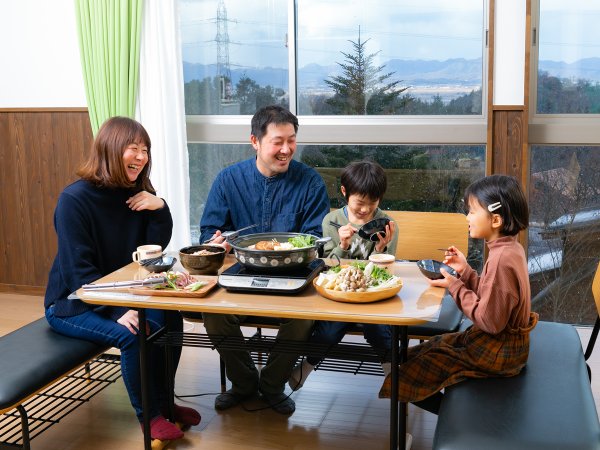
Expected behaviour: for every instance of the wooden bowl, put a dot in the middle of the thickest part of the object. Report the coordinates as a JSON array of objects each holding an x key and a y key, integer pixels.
[
  {"x": 357, "y": 297},
  {"x": 202, "y": 264}
]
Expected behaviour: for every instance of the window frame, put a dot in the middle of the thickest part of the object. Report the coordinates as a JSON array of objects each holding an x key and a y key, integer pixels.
[{"x": 555, "y": 129}]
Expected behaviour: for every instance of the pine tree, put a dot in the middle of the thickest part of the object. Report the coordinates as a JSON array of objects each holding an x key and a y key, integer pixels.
[{"x": 362, "y": 88}]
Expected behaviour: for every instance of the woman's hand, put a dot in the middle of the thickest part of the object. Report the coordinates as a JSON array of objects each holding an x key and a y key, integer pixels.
[
  {"x": 346, "y": 232},
  {"x": 383, "y": 242},
  {"x": 131, "y": 321},
  {"x": 145, "y": 200}
]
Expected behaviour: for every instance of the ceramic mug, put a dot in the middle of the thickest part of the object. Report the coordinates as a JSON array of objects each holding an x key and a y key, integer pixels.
[{"x": 146, "y": 252}]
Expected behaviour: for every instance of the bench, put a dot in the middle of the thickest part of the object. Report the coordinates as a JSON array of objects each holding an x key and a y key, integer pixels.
[
  {"x": 44, "y": 376},
  {"x": 549, "y": 405}
]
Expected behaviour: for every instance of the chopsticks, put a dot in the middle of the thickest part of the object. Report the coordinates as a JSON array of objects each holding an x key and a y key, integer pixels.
[
  {"x": 121, "y": 284},
  {"x": 152, "y": 261},
  {"x": 446, "y": 250}
]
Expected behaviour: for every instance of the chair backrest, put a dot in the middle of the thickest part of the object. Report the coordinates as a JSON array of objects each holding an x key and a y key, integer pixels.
[{"x": 421, "y": 234}]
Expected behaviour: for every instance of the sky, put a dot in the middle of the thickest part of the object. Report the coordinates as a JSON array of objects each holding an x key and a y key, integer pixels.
[
  {"x": 257, "y": 29},
  {"x": 569, "y": 30}
]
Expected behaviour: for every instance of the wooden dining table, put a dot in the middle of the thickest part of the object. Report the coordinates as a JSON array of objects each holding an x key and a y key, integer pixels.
[{"x": 417, "y": 302}]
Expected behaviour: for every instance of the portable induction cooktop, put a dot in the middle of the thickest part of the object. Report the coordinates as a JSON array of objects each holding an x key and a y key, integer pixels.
[{"x": 239, "y": 279}]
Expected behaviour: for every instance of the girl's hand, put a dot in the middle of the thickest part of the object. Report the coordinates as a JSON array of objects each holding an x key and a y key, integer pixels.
[
  {"x": 443, "y": 282},
  {"x": 131, "y": 321},
  {"x": 145, "y": 200},
  {"x": 383, "y": 242},
  {"x": 346, "y": 232},
  {"x": 455, "y": 259}
]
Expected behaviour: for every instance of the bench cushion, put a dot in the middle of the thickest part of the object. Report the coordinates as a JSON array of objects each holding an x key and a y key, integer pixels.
[
  {"x": 548, "y": 406},
  {"x": 33, "y": 356}
]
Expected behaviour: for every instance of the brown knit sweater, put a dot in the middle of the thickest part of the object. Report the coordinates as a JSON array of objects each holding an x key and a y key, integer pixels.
[{"x": 501, "y": 296}]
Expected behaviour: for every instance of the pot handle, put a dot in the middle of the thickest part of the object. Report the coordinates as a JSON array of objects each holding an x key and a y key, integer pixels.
[{"x": 322, "y": 241}]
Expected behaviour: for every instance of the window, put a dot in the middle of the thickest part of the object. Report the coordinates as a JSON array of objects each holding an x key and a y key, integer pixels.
[
  {"x": 353, "y": 58},
  {"x": 389, "y": 57},
  {"x": 568, "y": 63},
  {"x": 564, "y": 232}
]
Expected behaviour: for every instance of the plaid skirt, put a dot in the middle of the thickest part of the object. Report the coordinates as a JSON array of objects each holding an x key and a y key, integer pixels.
[{"x": 450, "y": 358}]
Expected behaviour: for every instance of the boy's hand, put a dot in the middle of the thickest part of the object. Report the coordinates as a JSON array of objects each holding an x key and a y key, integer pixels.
[
  {"x": 384, "y": 241},
  {"x": 346, "y": 232}
]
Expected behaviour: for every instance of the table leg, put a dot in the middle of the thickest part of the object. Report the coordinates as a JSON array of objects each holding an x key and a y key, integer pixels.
[
  {"x": 398, "y": 410},
  {"x": 144, "y": 378},
  {"x": 394, "y": 393}
]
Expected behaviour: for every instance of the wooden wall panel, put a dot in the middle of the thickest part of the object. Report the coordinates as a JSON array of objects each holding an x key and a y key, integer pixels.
[{"x": 40, "y": 151}]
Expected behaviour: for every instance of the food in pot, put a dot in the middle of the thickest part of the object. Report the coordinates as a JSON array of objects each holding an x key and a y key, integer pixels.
[
  {"x": 293, "y": 243},
  {"x": 357, "y": 277},
  {"x": 204, "y": 253}
]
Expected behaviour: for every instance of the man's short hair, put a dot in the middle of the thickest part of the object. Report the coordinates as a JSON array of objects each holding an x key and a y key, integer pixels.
[{"x": 271, "y": 114}]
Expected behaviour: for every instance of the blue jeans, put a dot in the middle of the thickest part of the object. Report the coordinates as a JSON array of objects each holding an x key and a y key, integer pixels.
[
  {"x": 379, "y": 336},
  {"x": 96, "y": 327}
]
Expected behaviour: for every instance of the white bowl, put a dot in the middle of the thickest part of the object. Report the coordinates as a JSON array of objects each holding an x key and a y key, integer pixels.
[{"x": 382, "y": 259}]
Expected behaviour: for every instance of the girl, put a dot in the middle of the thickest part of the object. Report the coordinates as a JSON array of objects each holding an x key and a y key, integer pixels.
[
  {"x": 100, "y": 220},
  {"x": 498, "y": 302}
]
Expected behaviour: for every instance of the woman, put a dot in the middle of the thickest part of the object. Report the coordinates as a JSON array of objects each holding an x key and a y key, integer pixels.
[{"x": 100, "y": 220}]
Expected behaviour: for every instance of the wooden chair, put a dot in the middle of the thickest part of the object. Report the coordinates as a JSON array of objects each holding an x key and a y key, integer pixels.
[
  {"x": 596, "y": 294},
  {"x": 420, "y": 236}
]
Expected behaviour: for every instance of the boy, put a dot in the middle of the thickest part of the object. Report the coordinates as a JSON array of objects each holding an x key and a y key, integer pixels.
[{"x": 363, "y": 184}]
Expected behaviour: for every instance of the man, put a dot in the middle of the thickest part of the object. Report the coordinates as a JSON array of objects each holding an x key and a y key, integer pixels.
[{"x": 277, "y": 194}]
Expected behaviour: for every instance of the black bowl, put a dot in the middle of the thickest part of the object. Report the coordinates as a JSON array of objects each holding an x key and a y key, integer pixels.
[
  {"x": 370, "y": 229},
  {"x": 202, "y": 264},
  {"x": 431, "y": 269},
  {"x": 162, "y": 265}
]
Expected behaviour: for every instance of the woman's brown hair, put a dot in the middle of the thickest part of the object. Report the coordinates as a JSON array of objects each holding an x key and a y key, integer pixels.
[{"x": 104, "y": 166}]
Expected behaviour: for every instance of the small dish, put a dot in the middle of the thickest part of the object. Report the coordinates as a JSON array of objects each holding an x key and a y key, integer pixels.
[
  {"x": 370, "y": 229},
  {"x": 382, "y": 259},
  {"x": 161, "y": 265},
  {"x": 431, "y": 269}
]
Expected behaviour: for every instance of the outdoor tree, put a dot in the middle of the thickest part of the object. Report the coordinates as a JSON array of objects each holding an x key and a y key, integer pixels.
[{"x": 363, "y": 88}]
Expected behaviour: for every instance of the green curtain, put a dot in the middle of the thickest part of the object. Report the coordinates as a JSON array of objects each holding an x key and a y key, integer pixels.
[{"x": 109, "y": 41}]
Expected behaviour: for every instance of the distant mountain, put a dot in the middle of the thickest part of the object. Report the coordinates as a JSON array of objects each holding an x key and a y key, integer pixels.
[
  {"x": 588, "y": 69},
  {"x": 416, "y": 72},
  {"x": 413, "y": 72}
]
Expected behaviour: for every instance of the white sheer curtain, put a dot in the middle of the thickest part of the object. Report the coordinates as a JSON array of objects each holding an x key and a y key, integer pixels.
[{"x": 160, "y": 108}]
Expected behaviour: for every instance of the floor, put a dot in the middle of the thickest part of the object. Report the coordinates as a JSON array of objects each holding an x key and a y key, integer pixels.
[{"x": 334, "y": 411}]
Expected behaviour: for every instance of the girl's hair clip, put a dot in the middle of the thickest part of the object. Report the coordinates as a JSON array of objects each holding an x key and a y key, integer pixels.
[{"x": 494, "y": 206}]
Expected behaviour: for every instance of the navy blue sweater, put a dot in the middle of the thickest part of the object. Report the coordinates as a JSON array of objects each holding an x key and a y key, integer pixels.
[{"x": 97, "y": 232}]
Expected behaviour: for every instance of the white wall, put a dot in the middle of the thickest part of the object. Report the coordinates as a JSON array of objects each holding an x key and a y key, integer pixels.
[
  {"x": 509, "y": 52},
  {"x": 39, "y": 51}
]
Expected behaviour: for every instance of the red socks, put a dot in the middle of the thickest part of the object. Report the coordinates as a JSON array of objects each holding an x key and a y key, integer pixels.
[
  {"x": 184, "y": 415},
  {"x": 162, "y": 429},
  {"x": 187, "y": 416}
]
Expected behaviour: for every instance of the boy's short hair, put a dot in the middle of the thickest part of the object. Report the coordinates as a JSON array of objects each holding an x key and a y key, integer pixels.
[
  {"x": 365, "y": 178},
  {"x": 506, "y": 191},
  {"x": 271, "y": 114}
]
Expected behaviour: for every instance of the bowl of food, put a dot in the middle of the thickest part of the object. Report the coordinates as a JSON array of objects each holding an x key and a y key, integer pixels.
[
  {"x": 161, "y": 264},
  {"x": 431, "y": 268},
  {"x": 203, "y": 259}
]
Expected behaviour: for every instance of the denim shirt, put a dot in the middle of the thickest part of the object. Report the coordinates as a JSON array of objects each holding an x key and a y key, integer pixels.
[{"x": 294, "y": 201}]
